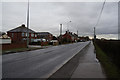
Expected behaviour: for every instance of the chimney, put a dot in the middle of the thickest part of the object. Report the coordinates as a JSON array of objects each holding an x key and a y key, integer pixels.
[
  {"x": 23, "y": 25},
  {"x": 66, "y": 31}
]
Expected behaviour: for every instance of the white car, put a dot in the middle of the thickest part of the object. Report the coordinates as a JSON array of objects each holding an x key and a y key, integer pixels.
[{"x": 39, "y": 40}]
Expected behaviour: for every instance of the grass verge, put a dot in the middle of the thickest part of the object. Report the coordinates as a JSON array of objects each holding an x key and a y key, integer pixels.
[
  {"x": 18, "y": 50},
  {"x": 110, "y": 69}
]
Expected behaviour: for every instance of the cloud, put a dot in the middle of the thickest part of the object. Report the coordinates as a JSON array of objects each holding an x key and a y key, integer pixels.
[{"x": 46, "y": 16}]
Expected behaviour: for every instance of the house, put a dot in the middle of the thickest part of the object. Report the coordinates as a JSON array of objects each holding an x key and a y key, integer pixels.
[
  {"x": 4, "y": 38},
  {"x": 68, "y": 37},
  {"x": 19, "y": 34},
  {"x": 44, "y": 35}
]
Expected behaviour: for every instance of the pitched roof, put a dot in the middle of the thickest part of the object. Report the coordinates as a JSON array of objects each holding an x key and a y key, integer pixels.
[
  {"x": 4, "y": 36},
  {"x": 1, "y": 33},
  {"x": 71, "y": 34},
  {"x": 43, "y": 33},
  {"x": 21, "y": 28}
]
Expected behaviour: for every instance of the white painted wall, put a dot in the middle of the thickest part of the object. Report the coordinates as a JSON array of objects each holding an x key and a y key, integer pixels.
[{"x": 5, "y": 41}]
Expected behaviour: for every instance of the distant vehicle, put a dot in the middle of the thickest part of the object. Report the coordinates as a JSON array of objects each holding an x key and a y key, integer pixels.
[{"x": 82, "y": 40}]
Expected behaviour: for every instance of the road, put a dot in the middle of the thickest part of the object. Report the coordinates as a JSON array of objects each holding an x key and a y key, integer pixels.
[{"x": 40, "y": 63}]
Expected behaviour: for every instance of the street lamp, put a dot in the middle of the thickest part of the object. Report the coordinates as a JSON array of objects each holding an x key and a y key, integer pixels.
[
  {"x": 61, "y": 33},
  {"x": 68, "y": 24},
  {"x": 28, "y": 24}
]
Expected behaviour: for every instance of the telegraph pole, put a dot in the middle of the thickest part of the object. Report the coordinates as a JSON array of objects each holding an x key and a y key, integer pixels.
[
  {"x": 94, "y": 35},
  {"x": 61, "y": 33},
  {"x": 28, "y": 24},
  {"x": 77, "y": 32}
]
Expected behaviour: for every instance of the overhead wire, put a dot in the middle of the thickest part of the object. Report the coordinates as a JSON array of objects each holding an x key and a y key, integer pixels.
[{"x": 100, "y": 14}]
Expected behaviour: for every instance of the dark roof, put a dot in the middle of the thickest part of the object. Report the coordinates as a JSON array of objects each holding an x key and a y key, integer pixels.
[
  {"x": 43, "y": 33},
  {"x": 21, "y": 28},
  {"x": 2, "y": 33},
  {"x": 71, "y": 34}
]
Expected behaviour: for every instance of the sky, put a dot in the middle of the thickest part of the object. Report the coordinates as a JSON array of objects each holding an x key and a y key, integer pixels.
[{"x": 47, "y": 17}]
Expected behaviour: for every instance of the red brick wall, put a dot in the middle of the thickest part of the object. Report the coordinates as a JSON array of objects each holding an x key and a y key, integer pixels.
[
  {"x": 67, "y": 36},
  {"x": 18, "y": 37},
  {"x": 14, "y": 45}
]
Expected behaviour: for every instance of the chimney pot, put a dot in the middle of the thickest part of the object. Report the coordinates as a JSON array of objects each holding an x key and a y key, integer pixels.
[{"x": 23, "y": 25}]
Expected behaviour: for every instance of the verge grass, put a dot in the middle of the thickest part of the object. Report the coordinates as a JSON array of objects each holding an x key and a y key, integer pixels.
[
  {"x": 18, "y": 50},
  {"x": 111, "y": 70}
]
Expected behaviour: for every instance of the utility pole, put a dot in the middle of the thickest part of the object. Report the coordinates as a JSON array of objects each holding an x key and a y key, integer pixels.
[
  {"x": 94, "y": 34},
  {"x": 119, "y": 21},
  {"x": 28, "y": 24},
  {"x": 77, "y": 32},
  {"x": 61, "y": 33}
]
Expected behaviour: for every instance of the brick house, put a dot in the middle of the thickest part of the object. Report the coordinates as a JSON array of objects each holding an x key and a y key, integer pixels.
[
  {"x": 19, "y": 34},
  {"x": 68, "y": 37},
  {"x": 45, "y": 35}
]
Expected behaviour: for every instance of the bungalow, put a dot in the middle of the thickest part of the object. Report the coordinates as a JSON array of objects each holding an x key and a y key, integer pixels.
[{"x": 19, "y": 34}]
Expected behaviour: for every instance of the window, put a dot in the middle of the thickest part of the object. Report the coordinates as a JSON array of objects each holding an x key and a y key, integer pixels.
[
  {"x": 23, "y": 34},
  {"x": 35, "y": 35},
  {"x": 12, "y": 34},
  {"x": 26, "y": 34},
  {"x": 24, "y": 39},
  {"x": 32, "y": 34}
]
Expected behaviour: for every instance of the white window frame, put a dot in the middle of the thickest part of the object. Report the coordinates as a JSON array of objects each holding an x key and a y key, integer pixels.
[
  {"x": 23, "y": 34},
  {"x": 26, "y": 34},
  {"x": 32, "y": 34},
  {"x": 35, "y": 35},
  {"x": 12, "y": 34}
]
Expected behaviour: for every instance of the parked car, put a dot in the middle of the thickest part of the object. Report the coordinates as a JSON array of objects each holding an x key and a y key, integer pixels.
[{"x": 39, "y": 40}]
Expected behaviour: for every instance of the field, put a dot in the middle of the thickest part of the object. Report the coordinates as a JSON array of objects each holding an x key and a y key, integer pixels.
[
  {"x": 108, "y": 52},
  {"x": 112, "y": 50}
]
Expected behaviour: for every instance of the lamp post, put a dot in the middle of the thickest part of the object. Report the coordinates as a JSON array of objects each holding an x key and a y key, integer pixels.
[
  {"x": 28, "y": 24},
  {"x": 61, "y": 33},
  {"x": 68, "y": 25}
]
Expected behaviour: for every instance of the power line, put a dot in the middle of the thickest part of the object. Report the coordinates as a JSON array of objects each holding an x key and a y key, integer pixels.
[
  {"x": 100, "y": 13},
  {"x": 98, "y": 20}
]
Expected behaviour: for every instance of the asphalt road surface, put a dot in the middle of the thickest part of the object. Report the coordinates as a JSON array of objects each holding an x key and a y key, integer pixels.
[{"x": 40, "y": 63}]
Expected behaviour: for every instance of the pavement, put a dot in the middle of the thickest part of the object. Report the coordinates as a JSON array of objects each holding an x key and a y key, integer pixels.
[
  {"x": 0, "y": 67},
  {"x": 40, "y": 63},
  {"x": 89, "y": 66}
]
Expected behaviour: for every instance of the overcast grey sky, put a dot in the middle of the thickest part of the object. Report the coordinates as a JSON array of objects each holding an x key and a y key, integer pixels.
[{"x": 46, "y": 16}]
